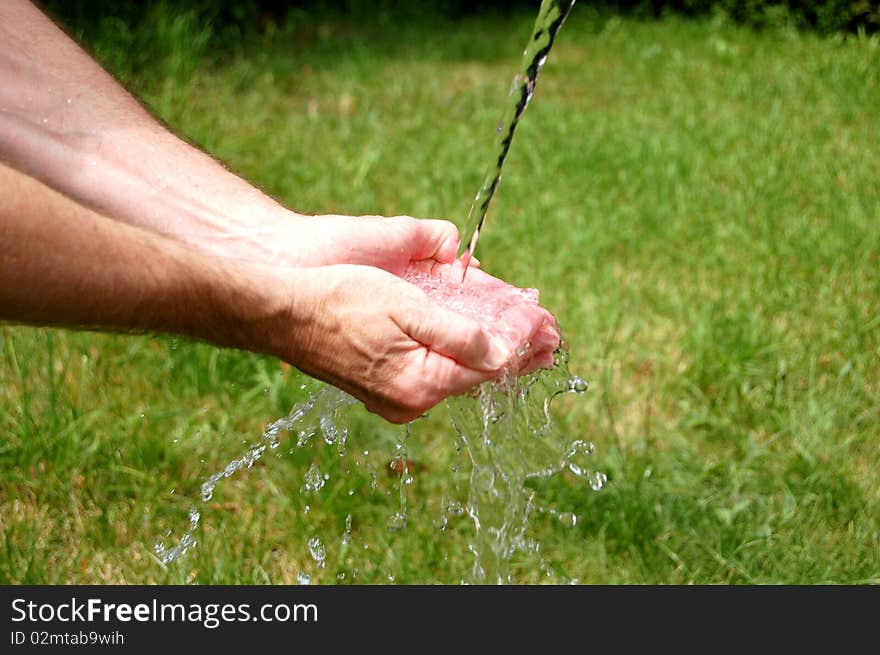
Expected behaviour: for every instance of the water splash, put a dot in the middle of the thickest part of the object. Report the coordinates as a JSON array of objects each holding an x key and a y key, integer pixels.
[
  {"x": 305, "y": 419},
  {"x": 504, "y": 428},
  {"x": 182, "y": 547},
  {"x": 510, "y": 437},
  {"x": 551, "y": 16},
  {"x": 505, "y": 433}
]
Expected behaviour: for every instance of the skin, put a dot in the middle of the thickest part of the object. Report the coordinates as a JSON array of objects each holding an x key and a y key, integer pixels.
[
  {"x": 63, "y": 264},
  {"x": 87, "y": 239},
  {"x": 104, "y": 150}
]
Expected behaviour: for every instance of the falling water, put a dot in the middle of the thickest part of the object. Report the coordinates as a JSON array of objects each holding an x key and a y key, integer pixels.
[
  {"x": 510, "y": 437},
  {"x": 551, "y": 16},
  {"x": 317, "y": 415},
  {"x": 505, "y": 429}
]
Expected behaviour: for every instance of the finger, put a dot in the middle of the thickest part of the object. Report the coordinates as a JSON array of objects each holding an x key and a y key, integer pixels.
[
  {"x": 450, "y": 378},
  {"x": 520, "y": 323},
  {"x": 546, "y": 338},
  {"x": 434, "y": 239},
  {"x": 392, "y": 413},
  {"x": 453, "y": 335},
  {"x": 428, "y": 381},
  {"x": 538, "y": 361}
]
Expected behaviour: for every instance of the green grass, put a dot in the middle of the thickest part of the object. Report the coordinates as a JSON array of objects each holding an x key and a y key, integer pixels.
[{"x": 698, "y": 204}]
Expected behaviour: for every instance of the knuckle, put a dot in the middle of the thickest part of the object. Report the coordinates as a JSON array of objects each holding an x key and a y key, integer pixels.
[
  {"x": 451, "y": 229},
  {"x": 473, "y": 336}
]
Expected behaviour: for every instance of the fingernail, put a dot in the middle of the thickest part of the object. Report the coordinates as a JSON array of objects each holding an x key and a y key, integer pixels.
[{"x": 499, "y": 353}]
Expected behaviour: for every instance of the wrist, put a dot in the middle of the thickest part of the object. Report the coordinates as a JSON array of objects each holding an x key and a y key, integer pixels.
[{"x": 248, "y": 307}]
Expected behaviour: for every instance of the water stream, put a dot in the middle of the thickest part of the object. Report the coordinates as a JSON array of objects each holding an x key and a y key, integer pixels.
[{"x": 551, "y": 16}]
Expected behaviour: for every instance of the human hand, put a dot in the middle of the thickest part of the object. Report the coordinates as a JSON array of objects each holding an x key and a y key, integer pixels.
[
  {"x": 382, "y": 340},
  {"x": 390, "y": 243}
]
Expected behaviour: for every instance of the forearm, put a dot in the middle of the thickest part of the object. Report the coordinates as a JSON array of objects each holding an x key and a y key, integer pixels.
[
  {"x": 62, "y": 264},
  {"x": 68, "y": 123}
]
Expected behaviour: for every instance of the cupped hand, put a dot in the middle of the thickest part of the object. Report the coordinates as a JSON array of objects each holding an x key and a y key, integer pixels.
[
  {"x": 383, "y": 340},
  {"x": 390, "y": 243},
  {"x": 506, "y": 311}
]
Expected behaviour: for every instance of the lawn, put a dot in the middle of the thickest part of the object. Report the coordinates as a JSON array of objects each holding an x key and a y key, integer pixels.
[{"x": 699, "y": 205}]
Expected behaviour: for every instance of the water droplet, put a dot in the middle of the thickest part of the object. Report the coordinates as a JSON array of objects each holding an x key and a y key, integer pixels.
[
  {"x": 396, "y": 522},
  {"x": 314, "y": 479},
  {"x": 598, "y": 480},
  {"x": 580, "y": 447},
  {"x": 303, "y": 578},
  {"x": 578, "y": 385},
  {"x": 568, "y": 519},
  {"x": 317, "y": 550},
  {"x": 329, "y": 430},
  {"x": 455, "y": 508}
]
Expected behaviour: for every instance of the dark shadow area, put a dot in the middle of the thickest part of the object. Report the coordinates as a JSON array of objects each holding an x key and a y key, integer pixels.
[
  {"x": 162, "y": 39},
  {"x": 174, "y": 38},
  {"x": 233, "y": 18}
]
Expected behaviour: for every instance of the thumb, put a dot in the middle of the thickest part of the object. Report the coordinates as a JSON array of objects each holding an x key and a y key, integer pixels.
[
  {"x": 453, "y": 335},
  {"x": 435, "y": 239}
]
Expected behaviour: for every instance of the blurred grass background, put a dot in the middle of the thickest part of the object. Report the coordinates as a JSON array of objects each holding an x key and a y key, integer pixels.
[{"x": 697, "y": 201}]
